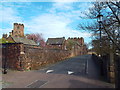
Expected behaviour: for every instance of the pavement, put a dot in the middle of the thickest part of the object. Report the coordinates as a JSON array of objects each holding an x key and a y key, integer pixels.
[{"x": 76, "y": 72}]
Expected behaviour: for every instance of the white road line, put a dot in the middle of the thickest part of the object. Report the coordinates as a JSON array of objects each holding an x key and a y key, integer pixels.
[
  {"x": 69, "y": 72},
  {"x": 44, "y": 84},
  {"x": 49, "y": 71},
  {"x": 31, "y": 83},
  {"x": 87, "y": 67}
]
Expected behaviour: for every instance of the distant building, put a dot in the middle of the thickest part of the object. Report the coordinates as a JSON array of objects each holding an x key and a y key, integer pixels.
[
  {"x": 18, "y": 30},
  {"x": 77, "y": 45},
  {"x": 17, "y": 35},
  {"x": 21, "y": 40},
  {"x": 79, "y": 40},
  {"x": 56, "y": 43}
]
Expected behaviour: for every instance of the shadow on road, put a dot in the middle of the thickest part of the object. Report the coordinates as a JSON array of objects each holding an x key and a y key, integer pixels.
[{"x": 85, "y": 84}]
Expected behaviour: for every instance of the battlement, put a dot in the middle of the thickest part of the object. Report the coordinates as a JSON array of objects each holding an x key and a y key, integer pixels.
[
  {"x": 18, "y": 24},
  {"x": 76, "y": 38},
  {"x": 18, "y": 30}
]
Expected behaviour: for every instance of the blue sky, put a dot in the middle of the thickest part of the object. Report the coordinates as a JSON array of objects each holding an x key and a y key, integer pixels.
[{"x": 52, "y": 19}]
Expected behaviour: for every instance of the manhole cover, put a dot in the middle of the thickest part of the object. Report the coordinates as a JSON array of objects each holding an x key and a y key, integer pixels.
[{"x": 36, "y": 84}]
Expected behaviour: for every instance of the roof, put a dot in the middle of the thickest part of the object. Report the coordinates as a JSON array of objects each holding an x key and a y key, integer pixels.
[
  {"x": 56, "y": 41},
  {"x": 23, "y": 40}
]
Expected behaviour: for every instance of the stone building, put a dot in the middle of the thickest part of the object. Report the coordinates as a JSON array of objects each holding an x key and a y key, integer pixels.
[
  {"x": 18, "y": 30},
  {"x": 56, "y": 43},
  {"x": 77, "y": 45},
  {"x": 21, "y": 40},
  {"x": 17, "y": 35},
  {"x": 79, "y": 40}
]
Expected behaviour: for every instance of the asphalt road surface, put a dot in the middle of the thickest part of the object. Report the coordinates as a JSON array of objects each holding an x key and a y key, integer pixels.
[{"x": 79, "y": 65}]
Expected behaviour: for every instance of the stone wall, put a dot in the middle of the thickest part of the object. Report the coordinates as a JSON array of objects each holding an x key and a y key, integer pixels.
[
  {"x": 35, "y": 58},
  {"x": 25, "y": 57},
  {"x": 10, "y": 55},
  {"x": 0, "y": 56},
  {"x": 54, "y": 46},
  {"x": 21, "y": 57}
]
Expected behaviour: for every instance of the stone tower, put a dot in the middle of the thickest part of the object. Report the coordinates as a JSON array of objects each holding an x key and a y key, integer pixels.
[{"x": 18, "y": 30}]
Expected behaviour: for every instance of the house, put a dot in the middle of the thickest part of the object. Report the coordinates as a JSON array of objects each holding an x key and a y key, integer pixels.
[
  {"x": 21, "y": 40},
  {"x": 56, "y": 43},
  {"x": 17, "y": 35}
]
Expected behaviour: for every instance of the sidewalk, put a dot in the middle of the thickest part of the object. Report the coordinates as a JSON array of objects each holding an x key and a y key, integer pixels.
[{"x": 23, "y": 79}]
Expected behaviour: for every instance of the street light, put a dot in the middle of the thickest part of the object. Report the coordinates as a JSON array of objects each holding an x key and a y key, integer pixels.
[{"x": 99, "y": 19}]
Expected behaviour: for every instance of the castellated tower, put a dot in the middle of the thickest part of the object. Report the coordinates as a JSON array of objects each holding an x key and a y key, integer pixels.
[
  {"x": 18, "y": 30},
  {"x": 80, "y": 40}
]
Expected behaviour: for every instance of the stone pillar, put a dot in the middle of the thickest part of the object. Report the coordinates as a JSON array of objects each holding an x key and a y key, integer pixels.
[
  {"x": 112, "y": 67},
  {"x": 21, "y": 58}
]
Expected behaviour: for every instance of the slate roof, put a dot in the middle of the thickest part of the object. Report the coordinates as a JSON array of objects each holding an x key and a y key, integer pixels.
[
  {"x": 23, "y": 40},
  {"x": 55, "y": 41}
]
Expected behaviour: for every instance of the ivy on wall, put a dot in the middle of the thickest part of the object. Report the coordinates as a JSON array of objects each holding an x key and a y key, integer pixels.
[{"x": 2, "y": 40}]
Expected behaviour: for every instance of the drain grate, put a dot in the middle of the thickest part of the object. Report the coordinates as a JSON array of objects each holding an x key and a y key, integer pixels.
[{"x": 36, "y": 84}]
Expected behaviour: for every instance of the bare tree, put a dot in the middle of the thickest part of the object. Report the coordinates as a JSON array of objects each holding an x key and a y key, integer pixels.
[{"x": 110, "y": 23}]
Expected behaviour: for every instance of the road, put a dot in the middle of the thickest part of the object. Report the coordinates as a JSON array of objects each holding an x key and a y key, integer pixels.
[
  {"x": 76, "y": 72},
  {"x": 79, "y": 66}
]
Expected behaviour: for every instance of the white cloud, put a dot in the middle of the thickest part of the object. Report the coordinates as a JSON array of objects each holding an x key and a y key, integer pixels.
[
  {"x": 53, "y": 26},
  {"x": 9, "y": 15},
  {"x": 58, "y": 0},
  {"x": 63, "y": 5}
]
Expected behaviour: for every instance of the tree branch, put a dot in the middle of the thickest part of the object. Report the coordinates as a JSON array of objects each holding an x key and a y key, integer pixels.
[{"x": 113, "y": 12}]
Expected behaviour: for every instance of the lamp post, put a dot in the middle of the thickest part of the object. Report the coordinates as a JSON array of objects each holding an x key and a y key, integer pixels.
[{"x": 99, "y": 19}]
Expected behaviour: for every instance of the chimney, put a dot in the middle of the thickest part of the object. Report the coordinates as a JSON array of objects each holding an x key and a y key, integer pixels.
[
  {"x": 5, "y": 36},
  {"x": 10, "y": 33}
]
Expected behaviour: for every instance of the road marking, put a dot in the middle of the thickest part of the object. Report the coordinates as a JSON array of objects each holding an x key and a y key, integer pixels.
[
  {"x": 44, "y": 84},
  {"x": 31, "y": 83},
  {"x": 69, "y": 72},
  {"x": 87, "y": 67},
  {"x": 36, "y": 84},
  {"x": 49, "y": 71}
]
